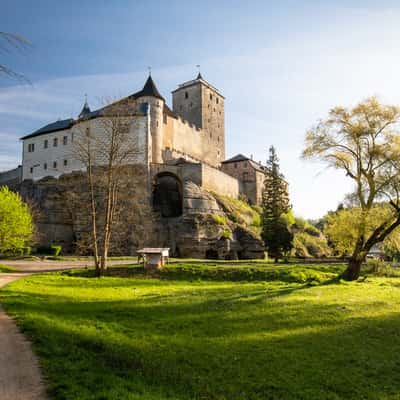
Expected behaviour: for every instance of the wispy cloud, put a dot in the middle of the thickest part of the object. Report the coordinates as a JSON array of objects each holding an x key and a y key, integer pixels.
[{"x": 272, "y": 94}]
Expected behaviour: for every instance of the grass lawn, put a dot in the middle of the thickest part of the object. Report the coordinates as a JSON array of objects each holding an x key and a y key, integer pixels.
[
  {"x": 213, "y": 331},
  {"x": 6, "y": 268}
]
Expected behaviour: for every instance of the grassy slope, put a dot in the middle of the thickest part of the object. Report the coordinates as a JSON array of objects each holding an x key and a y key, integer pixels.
[{"x": 137, "y": 338}]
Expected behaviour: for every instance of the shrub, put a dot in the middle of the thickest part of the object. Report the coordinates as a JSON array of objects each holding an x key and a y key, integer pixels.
[
  {"x": 16, "y": 227},
  {"x": 256, "y": 221},
  {"x": 226, "y": 234},
  {"x": 55, "y": 250},
  {"x": 219, "y": 219},
  {"x": 306, "y": 245},
  {"x": 380, "y": 268}
]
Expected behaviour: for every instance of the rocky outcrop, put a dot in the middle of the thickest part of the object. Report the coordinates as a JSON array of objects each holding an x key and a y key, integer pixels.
[{"x": 204, "y": 230}]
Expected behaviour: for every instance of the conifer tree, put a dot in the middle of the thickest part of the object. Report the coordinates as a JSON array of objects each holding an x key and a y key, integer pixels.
[{"x": 275, "y": 203}]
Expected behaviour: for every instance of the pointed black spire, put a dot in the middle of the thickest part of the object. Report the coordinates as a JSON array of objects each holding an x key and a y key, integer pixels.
[
  {"x": 150, "y": 89},
  {"x": 85, "y": 110},
  {"x": 199, "y": 76}
]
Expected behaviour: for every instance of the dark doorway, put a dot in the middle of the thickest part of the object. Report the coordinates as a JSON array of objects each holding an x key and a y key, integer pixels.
[{"x": 167, "y": 195}]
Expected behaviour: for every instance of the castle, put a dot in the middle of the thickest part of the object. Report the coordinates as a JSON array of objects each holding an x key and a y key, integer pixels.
[{"x": 176, "y": 146}]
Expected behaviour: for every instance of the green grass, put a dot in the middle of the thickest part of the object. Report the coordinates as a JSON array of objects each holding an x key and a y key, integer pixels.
[
  {"x": 6, "y": 268},
  {"x": 214, "y": 331}
]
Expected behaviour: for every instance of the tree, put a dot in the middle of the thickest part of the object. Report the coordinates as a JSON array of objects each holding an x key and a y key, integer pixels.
[
  {"x": 342, "y": 228},
  {"x": 363, "y": 142},
  {"x": 10, "y": 41},
  {"x": 275, "y": 204},
  {"x": 16, "y": 227},
  {"x": 108, "y": 150}
]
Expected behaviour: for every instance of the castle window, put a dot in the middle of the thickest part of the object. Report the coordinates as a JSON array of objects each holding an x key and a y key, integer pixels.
[
  {"x": 186, "y": 95},
  {"x": 45, "y": 166},
  {"x": 157, "y": 123},
  {"x": 87, "y": 132},
  {"x": 218, "y": 139},
  {"x": 31, "y": 147},
  {"x": 55, "y": 142},
  {"x": 208, "y": 106},
  {"x": 46, "y": 144},
  {"x": 31, "y": 170},
  {"x": 217, "y": 100},
  {"x": 72, "y": 136},
  {"x": 54, "y": 164},
  {"x": 65, "y": 140},
  {"x": 65, "y": 163},
  {"x": 210, "y": 96},
  {"x": 235, "y": 165},
  {"x": 210, "y": 135}
]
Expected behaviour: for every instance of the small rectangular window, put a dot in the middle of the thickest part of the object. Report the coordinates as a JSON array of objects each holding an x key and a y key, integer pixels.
[
  {"x": 235, "y": 165},
  {"x": 46, "y": 144},
  {"x": 45, "y": 166},
  {"x": 217, "y": 100},
  {"x": 65, "y": 140},
  {"x": 54, "y": 164},
  {"x": 65, "y": 163},
  {"x": 31, "y": 170},
  {"x": 55, "y": 142},
  {"x": 186, "y": 95},
  {"x": 31, "y": 147},
  {"x": 210, "y": 96}
]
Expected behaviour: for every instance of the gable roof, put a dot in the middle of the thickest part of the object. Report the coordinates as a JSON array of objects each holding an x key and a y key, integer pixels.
[
  {"x": 54, "y": 126},
  {"x": 241, "y": 157},
  {"x": 237, "y": 158}
]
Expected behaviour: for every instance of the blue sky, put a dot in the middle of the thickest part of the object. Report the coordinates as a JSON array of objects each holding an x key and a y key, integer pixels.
[{"x": 281, "y": 65}]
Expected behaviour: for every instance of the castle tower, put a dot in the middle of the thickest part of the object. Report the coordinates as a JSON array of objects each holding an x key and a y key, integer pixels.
[
  {"x": 202, "y": 105},
  {"x": 150, "y": 95}
]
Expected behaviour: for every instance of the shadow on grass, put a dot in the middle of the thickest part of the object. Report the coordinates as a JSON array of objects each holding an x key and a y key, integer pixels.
[{"x": 216, "y": 344}]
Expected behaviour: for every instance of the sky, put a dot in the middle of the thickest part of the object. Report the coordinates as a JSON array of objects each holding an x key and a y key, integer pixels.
[{"x": 282, "y": 65}]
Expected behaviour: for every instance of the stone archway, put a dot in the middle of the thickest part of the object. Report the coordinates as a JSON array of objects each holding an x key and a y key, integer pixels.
[{"x": 167, "y": 195}]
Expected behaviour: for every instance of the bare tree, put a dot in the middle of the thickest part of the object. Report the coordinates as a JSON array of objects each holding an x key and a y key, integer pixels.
[
  {"x": 364, "y": 143},
  {"x": 108, "y": 149},
  {"x": 9, "y": 42}
]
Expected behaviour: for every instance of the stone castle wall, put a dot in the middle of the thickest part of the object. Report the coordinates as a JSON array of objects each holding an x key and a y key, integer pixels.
[{"x": 59, "y": 156}]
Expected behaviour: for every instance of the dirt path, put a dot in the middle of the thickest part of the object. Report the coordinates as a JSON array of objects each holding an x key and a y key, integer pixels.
[
  {"x": 20, "y": 377},
  {"x": 49, "y": 265}
]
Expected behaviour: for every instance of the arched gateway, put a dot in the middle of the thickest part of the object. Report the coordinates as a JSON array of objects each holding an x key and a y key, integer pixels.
[{"x": 167, "y": 195}]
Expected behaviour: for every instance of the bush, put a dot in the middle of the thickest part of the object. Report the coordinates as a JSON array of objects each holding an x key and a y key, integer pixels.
[
  {"x": 53, "y": 250},
  {"x": 306, "y": 245},
  {"x": 56, "y": 250},
  {"x": 219, "y": 219},
  {"x": 16, "y": 226},
  {"x": 226, "y": 234},
  {"x": 380, "y": 268}
]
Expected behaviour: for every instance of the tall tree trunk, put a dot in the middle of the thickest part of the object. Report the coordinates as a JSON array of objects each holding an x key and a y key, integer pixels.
[{"x": 353, "y": 269}]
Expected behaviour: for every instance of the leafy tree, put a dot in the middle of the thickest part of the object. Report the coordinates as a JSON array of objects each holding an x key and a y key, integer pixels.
[
  {"x": 364, "y": 142},
  {"x": 342, "y": 228},
  {"x": 275, "y": 204},
  {"x": 16, "y": 227}
]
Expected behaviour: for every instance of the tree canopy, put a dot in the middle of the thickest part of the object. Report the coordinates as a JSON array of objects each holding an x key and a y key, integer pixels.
[
  {"x": 16, "y": 226},
  {"x": 364, "y": 142}
]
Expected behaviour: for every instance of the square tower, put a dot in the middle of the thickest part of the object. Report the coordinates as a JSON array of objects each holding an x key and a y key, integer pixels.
[{"x": 201, "y": 104}]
